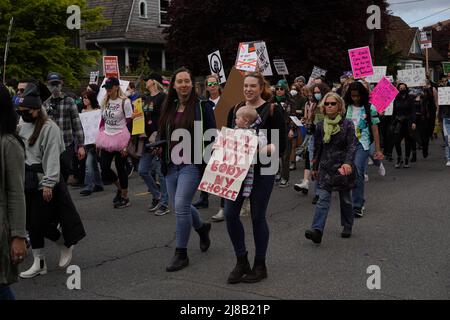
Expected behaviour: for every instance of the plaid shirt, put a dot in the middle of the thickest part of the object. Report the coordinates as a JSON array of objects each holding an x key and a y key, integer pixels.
[{"x": 64, "y": 112}]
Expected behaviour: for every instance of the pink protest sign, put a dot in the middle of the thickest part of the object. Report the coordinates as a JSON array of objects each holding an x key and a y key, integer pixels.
[
  {"x": 361, "y": 62},
  {"x": 383, "y": 94}
]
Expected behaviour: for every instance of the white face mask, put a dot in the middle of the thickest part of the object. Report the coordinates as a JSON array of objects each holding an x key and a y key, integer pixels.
[{"x": 294, "y": 93}]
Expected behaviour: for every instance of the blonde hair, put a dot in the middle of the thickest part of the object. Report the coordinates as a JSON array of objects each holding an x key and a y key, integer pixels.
[
  {"x": 339, "y": 100},
  {"x": 120, "y": 94},
  {"x": 248, "y": 113}
]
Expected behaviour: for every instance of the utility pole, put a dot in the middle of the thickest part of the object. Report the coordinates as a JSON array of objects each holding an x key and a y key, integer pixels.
[{"x": 5, "y": 57}]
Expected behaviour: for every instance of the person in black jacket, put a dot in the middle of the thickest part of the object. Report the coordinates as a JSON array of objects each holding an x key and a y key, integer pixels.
[
  {"x": 257, "y": 94},
  {"x": 404, "y": 120}
]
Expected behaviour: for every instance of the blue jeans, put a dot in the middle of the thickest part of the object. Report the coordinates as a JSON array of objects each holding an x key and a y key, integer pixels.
[
  {"x": 259, "y": 200},
  {"x": 323, "y": 206},
  {"x": 446, "y": 129},
  {"x": 92, "y": 175},
  {"x": 182, "y": 182},
  {"x": 6, "y": 293},
  {"x": 146, "y": 164},
  {"x": 361, "y": 158}
]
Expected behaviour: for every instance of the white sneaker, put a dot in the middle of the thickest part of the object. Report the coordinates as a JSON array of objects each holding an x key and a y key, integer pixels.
[
  {"x": 219, "y": 216},
  {"x": 283, "y": 183},
  {"x": 448, "y": 163},
  {"x": 366, "y": 177},
  {"x": 39, "y": 266},
  {"x": 65, "y": 257},
  {"x": 298, "y": 158},
  {"x": 370, "y": 162},
  {"x": 381, "y": 170},
  {"x": 302, "y": 187}
]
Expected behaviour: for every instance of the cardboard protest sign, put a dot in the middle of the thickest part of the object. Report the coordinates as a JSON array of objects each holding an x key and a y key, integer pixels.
[
  {"x": 111, "y": 67},
  {"x": 102, "y": 93},
  {"x": 444, "y": 95},
  {"x": 297, "y": 121},
  {"x": 90, "y": 122},
  {"x": 316, "y": 72},
  {"x": 229, "y": 163},
  {"x": 361, "y": 62},
  {"x": 94, "y": 77},
  {"x": 216, "y": 66},
  {"x": 280, "y": 66},
  {"x": 378, "y": 73},
  {"x": 247, "y": 58},
  {"x": 412, "y": 77},
  {"x": 383, "y": 94},
  {"x": 232, "y": 94},
  {"x": 139, "y": 120},
  {"x": 446, "y": 67}
]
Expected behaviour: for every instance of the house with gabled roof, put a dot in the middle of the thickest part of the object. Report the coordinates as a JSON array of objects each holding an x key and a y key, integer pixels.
[
  {"x": 406, "y": 40},
  {"x": 136, "y": 27}
]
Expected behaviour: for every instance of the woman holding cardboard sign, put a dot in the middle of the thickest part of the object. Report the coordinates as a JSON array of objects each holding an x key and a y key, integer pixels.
[
  {"x": 257, "y": 93},
  {"x": 181, "y": 109}
]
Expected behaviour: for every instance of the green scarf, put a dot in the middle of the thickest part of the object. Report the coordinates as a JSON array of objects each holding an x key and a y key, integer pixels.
[
  {"x": 280, "y": 99},
  {"x": 331, "y": 127}
]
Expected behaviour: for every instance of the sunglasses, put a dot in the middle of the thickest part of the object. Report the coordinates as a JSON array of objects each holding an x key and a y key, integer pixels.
[
  {"x": 212, "y": 84},
  {"x": 279, "y": 89},
  {"x": 326, "y": 104},
  {"x": 21, "y": 90}
]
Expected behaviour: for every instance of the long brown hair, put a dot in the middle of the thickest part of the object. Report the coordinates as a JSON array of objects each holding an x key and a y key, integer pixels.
[
  {"x": 38, "y": 125},
  {"x": 171, "y": 106},
  {"x": 263, "y": 83}
]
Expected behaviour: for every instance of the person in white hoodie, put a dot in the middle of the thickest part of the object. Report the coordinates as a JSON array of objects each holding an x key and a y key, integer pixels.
[{"x": 48, "y": 203}]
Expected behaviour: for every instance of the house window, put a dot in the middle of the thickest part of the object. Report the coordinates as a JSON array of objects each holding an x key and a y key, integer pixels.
[
  {"x": 143, "y": 9},
  {"x": 163, "y": 8},
  {"x": 408, "y": 66}
]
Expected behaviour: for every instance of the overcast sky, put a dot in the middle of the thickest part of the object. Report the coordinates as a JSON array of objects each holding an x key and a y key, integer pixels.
[{"x": 413, "y": 10}]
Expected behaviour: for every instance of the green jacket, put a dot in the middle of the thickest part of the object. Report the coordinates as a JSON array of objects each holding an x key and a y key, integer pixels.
[{"x": 12, "y": 203}]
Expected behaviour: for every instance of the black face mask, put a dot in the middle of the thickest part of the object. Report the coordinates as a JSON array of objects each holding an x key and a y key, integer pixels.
[
  {"x": 403, "y": 92},
  {"x": 26, "y": 116}
]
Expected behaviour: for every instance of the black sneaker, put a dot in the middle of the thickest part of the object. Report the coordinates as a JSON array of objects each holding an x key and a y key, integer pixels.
[
  {"x": 399, "y": 163},
  {"x": 156, "y": 203},
  {"x": 85, "y": 192},
  {"x": 406, "y": 165},
  {"x": 346, "y": 233},
  {"x": 98, "y": 189},
  {"x": 359, "y": 212},
  {"x": 123, "y": 203},
  {"x": 162, "y": 210},
  {"x": 315, "y": 235},
  {"x": 117, "y": 197},
  {"x": 414, "y": 157},
  {"x": 315, "y": 200}
]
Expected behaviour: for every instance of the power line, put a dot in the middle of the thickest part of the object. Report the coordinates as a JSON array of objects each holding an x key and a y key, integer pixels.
[
  {"x": 405, "y": 2},
  {"x": 436, "y": 13}
]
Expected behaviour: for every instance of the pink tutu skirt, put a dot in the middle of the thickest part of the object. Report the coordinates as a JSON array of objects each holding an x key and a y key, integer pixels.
[{"x": 112, "y": 143}]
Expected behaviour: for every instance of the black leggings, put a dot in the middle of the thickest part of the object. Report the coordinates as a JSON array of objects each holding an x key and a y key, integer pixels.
[
  {"x": 108, "y": 175},
  {"x": 403, "y": 134}
]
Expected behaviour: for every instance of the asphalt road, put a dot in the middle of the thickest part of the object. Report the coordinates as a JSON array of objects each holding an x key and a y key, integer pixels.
[{"x": 405, "y": 232}]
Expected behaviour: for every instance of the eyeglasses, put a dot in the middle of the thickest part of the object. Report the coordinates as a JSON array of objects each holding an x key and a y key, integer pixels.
[
  {"x": 279, "y": 89},
  {"x": 21, "y": 90},
  {"x": 326, "y": 104},
  {"x": 212, "y": 84}
]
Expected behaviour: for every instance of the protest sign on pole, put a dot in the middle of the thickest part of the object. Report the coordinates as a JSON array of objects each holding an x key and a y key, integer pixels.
[
  {"x": 102, "y": 93},
  {"x": 94, "y": 77},
  {"x": 280, "y": 66},
  {"x": 229, "y": 163},
  {"x": 446, "y": 67},
  {"x": 111, "y": 67},
  {"x": 5, "y": 56},
  {"x": 444, "y": 95},
  {"x": 378, "y": 73},
  {"x": 316, "y": 73},
  {"x": 263, "y": 59},
  {"x": 232, "y": 94},
  {"x": 247, "y": 59},
  {"x": 361, "y": 62},
  {"x": 412, "y": 77},
  {"x": 139, "y": 120},
  {"x": 90, "y": 122},
  {"x": 383, "y": 94},
  {"x": 297, "y": 121},
  {"x": 425, "y": 40},
  {"x": 216, "y": 66}
]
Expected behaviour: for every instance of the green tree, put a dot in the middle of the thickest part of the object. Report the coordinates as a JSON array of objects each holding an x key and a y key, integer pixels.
[{"x": 41, "y": 41}]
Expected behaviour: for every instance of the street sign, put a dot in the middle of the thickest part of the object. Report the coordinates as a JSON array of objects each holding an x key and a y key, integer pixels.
[{"x": 216, "y": 66}]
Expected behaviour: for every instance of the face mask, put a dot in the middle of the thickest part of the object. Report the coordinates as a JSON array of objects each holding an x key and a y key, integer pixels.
[
  {"x": 55, "y": 89},
  {"x": 26, "y": 116},
  {"x": 318, "y": 96},
  {"x": 294, "y": 93},
  {"x": 403, "y": 92}
]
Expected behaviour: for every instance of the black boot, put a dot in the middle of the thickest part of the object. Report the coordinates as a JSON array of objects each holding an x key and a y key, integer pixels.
[
  {"x": 203, "y": 232},
  {"x": 242, "y": 268},
  {"x": 179, "y": 260},
  {"x": 258, "y": 272},
  {"x": 414, "y": 157}
]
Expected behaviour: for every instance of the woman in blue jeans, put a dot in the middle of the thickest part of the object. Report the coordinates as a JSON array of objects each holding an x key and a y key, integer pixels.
[
  {"x": 333, "y": 165},
  {"x": 257, "y": 93},
  {"x": 182, "y": 161}
]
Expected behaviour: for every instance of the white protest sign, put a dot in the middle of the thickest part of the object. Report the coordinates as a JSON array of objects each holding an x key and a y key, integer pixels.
[
  {"x": 229, "y": 163},
  {"x": 444, "y": 95},
  {"x": 378, "y": 74},
  {"x": 102, "y": 93},
  {"x": 425, "y": 40},
  {"x": 316, "y": 73},
  {"x": 90, "y": 122},
  {"x": 263, "y": 59},
  {"x": 247, "y": 58},
  {"x": 412, "y": 77},
  {"x": 389, "y": 111},
  {"x": 280, "y": 66},
  {"x": 94, "y": 77},
  {"x": 216, "y": 66},
  {"x": 391, "y": 78},
  {"x": 297, "y": 122}
]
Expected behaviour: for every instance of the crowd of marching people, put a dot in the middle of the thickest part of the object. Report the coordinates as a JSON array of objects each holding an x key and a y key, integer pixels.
[{"x": 331, "y": 131}]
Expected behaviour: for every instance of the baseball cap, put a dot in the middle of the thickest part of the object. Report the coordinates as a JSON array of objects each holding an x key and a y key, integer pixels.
[
  {"x": 54, "y": 77},
  {"x": 154, "y": 76},
  {"x": 110, "y": 82}
]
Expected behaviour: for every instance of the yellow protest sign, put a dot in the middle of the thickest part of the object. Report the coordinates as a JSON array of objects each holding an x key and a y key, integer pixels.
[{"x": 138, "y": 118}]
